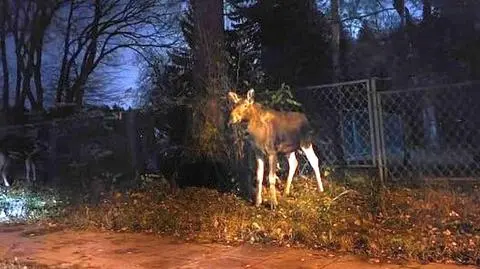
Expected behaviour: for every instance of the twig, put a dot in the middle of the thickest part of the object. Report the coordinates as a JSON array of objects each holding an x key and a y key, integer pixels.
[
  {"x": 337, "y": 197},
  {"x": 341, "y": 194}
]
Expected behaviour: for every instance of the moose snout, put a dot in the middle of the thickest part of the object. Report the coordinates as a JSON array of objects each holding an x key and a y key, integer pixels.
[{"x": 232, "y": 120}]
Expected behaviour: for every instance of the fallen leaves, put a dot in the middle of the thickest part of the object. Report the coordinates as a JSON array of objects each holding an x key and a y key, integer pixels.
[{"x": 427, "y": 225}]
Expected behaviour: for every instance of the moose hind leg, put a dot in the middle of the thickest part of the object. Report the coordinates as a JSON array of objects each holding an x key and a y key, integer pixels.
[
  {"x": 260, "y": 174},
  {"x": 3, "y": 169},
  {"x": 292, "y": 167},
  {"x": 313, "y": 160},
  {"x": 5, "y": 181},
  {"x": 272, "y": 178}
]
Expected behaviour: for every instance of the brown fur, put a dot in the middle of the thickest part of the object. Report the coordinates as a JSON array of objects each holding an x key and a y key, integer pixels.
[
  {"x": 276, "y": 131},
  {"x": 272, "y": 132}
]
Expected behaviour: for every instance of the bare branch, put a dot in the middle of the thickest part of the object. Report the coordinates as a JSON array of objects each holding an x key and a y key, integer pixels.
[
  {"x": 108, "y": 26},
  {"x": 367, "y": 15}
]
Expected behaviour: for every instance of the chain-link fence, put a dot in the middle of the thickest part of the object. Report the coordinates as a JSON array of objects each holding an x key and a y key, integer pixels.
[
  {"x": 342, "y": 115},
  {"x": 409, "y": 134},
  {"x": 430, "y": 132},
  {"x": 102, "y": 150},
  {"x": 416, "y": 133},
  {"x": 88, "y": 152}
]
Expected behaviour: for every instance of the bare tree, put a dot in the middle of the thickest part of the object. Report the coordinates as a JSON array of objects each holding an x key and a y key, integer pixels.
[
  {"x": 29, "y": 22},
  {"x": 64, "y": 75},
  {"x": 96, "y": 30},
  {"x": 26, "y": 22}
]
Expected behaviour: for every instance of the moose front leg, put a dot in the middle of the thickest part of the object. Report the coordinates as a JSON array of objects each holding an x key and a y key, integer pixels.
[
  {"x": 260, "y": 174},
  {"x": 272, "y": 162},
  {"x": 4, "y": 163}
]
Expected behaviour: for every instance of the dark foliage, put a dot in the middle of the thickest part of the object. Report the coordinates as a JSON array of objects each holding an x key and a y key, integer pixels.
[{"x": 291, "y": 38}]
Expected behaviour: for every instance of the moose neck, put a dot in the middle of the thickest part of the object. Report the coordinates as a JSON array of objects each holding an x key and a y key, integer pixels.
[
  {"x": 256, "y": 113},
  {"x": 258, "y": 120}
]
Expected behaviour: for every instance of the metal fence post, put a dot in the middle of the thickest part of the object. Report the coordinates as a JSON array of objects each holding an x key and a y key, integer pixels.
[
  {"x": 371, "y": 118},
  {"x": 52, "y": 161},
  {"x": 377, "y": 126}
]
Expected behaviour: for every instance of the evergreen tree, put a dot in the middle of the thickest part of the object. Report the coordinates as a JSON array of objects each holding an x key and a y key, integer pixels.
[{"x": 290, "y": 36}]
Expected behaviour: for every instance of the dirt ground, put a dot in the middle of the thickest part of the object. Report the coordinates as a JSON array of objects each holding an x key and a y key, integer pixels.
[{"x": 35, "y": 246}]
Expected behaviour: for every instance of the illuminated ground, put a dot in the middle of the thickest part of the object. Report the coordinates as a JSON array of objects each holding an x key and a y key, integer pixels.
[{"x": 38, "y": 246}]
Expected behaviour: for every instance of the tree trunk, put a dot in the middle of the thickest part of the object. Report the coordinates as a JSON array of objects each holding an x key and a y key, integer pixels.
[
  {"x": 25, "y": 54},
  {"x": 88, "y": 63},
  {"x": 336, "y": 28},
  {"x": 27, "y": 77},
  {"x": 209, "y": 75},
  {"x": 399, "y": 6},
  {"x": 3, "y": 48},
  {"x": 43, "y": 19},
  {"x": 209, "y": 26},
  {"x": 19, "y": 43},
  {"x": 37, "y": 76},
  {"x": 335, "y": 46},
  {"x": 63, "y": 80},
  {"x": 29, "y": 47}
]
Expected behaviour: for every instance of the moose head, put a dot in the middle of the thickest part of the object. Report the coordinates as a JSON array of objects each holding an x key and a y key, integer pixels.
[{"x": 243, "y": 107}]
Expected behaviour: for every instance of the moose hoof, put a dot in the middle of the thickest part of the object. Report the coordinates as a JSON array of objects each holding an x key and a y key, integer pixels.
[{"x": 273, "y": 205}]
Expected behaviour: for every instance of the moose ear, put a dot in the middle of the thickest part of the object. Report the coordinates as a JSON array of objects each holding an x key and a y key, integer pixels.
[
  {"x": 233, "y": 97},
  {"x": 250, "y": 95}
]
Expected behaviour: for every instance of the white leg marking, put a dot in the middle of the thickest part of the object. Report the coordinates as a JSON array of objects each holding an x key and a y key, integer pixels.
[
  {"x": 3, "y": 168},
  {"x": 292, "y": 167},
  {"x": 272, "y": 178},
  {"x": 260, "y": 174},
  {"x": 313, "y": 160},
  {"x": 4, "y": 176}
]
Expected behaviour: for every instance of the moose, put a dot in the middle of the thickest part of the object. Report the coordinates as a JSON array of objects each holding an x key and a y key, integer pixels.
[
  {"x": 17, "y": 147},
  {"x": 274, "y": 132}
]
